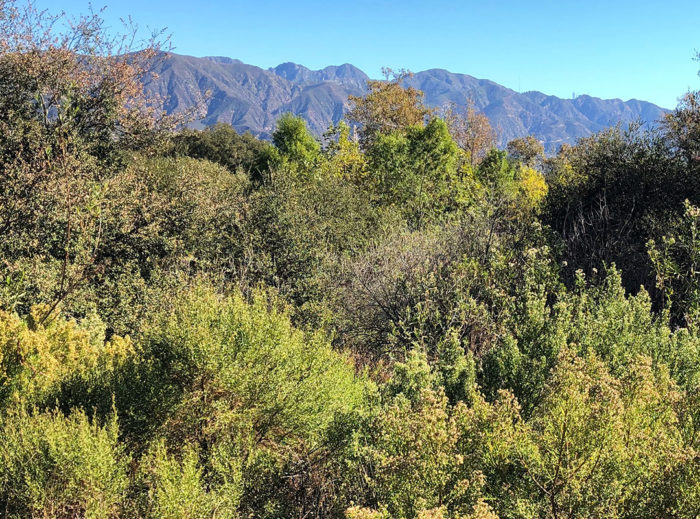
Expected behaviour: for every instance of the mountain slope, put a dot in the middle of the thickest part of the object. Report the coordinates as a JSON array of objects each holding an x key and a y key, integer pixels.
[{"x": 251, "y": 98}]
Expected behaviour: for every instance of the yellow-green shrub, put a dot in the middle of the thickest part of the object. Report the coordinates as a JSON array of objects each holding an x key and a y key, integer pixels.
[
  {"x": 41, "y": 351},
  {"x": 53, "y": 466}
]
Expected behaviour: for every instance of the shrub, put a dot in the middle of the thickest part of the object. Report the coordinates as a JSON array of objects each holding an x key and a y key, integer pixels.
[{"x": 61, "y": 466}]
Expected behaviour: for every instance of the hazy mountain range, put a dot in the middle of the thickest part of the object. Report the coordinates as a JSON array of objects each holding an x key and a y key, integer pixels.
[{"x": 251, "y": 98}]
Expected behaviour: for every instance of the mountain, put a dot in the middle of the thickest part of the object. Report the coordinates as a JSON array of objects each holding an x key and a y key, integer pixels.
[
  {"x": 552, "y": 120},
  {"x": 251, "y": 98}
]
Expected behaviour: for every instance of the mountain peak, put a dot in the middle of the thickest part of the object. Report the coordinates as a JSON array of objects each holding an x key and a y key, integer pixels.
[
  {"x": 223, "y": 59},
  {"x": 292, "y": 72},
  {"x": 346, "y": 74}
]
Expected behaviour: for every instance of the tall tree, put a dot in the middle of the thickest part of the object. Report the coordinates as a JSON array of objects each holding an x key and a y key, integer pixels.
[
  {"x": 471, "y": 130},
  {"x": 387, "y": 107}
]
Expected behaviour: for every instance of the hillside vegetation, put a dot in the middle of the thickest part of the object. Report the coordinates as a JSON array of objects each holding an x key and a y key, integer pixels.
[{"x": 396, "y": 322}]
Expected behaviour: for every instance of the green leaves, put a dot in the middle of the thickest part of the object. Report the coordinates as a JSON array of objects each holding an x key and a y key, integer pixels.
[
  {"x": 598, "y": 445},
  {"x": 416, "y": 170},
  {"x": 61, "y": 466},
  {"x": 245, "y": 363},
  {"x": 377, "y": 327},
  {"x": 295, "y": 144}
]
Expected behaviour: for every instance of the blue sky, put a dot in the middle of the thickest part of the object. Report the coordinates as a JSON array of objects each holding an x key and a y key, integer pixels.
[{"x": 611, "y": 49}]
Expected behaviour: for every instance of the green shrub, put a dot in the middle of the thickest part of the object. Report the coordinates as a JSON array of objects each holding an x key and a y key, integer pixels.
[
  {"x": 60, "y": 467},
  {"x": 176, "y": 488}
]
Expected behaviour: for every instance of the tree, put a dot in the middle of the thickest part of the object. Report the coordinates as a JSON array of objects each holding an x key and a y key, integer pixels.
[
  {"x": 345, "y": 160},
  {"x": 220, "y": 143},
  {"x": 683, "y": 128},
  {"x": 294, "y": 141},
  {"x": 416, "y": 169},
  {"x": 72, "y": 104},
  {"x": 611, "y": 194},
  {"x": 527, "y": 150},
  {"x": 471, "y": 131},
  {"x": 387, "y": 107}
]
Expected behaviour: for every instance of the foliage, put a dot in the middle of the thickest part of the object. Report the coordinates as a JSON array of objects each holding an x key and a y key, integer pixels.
[
  {"x": 72, "y": 106},
  {"x": 345, "y": 158},
  {"x": 247, "y": 366},
  {"x": 57, "y": 466},
  {"x": 610, "y": 195},
  {"x": 400, "y": 322},
  {"x": 683, "y": 126},
  {"x": 471, "y": 131},
  {"x": 677, "y": 269},
  {"x": 176, "y": 488},
  {"x": 416, "y": 453},
  {"x": 599, "y": 445},
  {"x": 388, "y": 107},
  {"x": 527, "y": 150},
  {"x": 417, "y": 171},
  {"x": 295, "y": 143},
  {"x": 38, "y": 354},
  {"x": 221, "y": 144}
]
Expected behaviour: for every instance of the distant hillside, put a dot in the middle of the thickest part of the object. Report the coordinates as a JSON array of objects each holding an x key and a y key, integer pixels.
[{"x": 251, "y": 98}]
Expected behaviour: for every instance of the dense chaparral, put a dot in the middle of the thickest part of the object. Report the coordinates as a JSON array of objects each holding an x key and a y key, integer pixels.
[{"x": 397, "y": 321}]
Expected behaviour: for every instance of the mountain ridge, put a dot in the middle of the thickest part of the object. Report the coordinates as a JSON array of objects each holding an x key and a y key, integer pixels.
[{"x": 251, "y": 98}]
